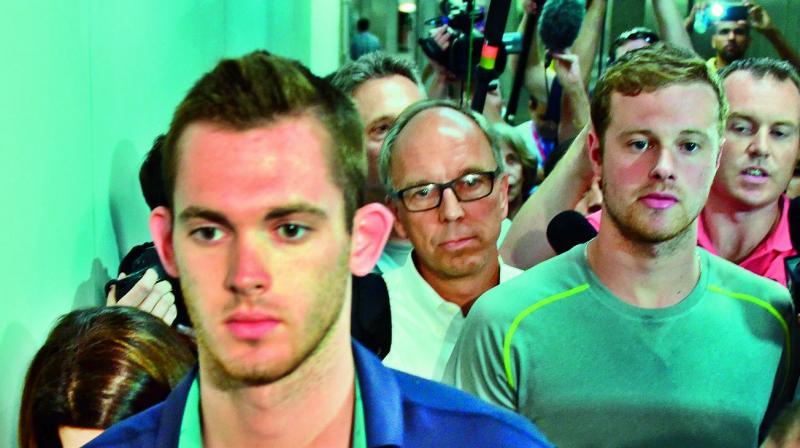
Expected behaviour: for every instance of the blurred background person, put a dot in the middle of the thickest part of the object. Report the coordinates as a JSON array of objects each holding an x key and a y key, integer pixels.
[
  {"x": 521, "y": 165},
  {"x": 363, "y": 41}
]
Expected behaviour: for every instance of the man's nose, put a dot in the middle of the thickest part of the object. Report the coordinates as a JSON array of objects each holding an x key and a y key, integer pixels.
[
  {"x": 664, "y": 166},
  {"x": 451, "y": 208},
  {"x": 248, "y": 273}
]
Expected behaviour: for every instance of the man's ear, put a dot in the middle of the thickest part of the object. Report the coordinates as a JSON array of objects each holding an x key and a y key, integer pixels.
[
  {"x": 398, "y": 226},
  {"x": 595, "y": 151},
  {"x": 161, "y": 231},
  {"x": 719, "y": 153},
  {"x": 371, "y": 227},
  {"x": 504, "y": 194}
]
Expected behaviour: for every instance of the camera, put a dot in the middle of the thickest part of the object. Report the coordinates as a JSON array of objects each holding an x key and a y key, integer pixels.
[
  {"x": 717, "y": 12},
  {"x": 135, "y": 264},
  {"x": 465, "y": 27}
]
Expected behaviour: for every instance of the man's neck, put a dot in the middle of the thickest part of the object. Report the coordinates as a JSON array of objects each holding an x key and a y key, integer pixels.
[
  {"x": 643, "y": 274},
  {"x": 463, "y": 291},
  {"x": 735, "y": 231},
  {"x": 311, "y": 407}
]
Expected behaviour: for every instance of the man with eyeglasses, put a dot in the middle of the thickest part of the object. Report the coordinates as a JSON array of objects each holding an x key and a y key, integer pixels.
[{"x": 449, "y": 194}]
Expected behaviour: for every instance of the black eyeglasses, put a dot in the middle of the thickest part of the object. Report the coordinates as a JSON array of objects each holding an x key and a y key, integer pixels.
[{"x": 469, "y": 187}]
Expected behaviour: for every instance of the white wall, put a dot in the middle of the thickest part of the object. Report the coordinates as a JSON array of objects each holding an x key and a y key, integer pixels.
[{"x": 85, "y": 87}]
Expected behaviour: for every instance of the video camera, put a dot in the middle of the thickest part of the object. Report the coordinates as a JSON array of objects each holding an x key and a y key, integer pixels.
[{"x": 465, "y": 27}]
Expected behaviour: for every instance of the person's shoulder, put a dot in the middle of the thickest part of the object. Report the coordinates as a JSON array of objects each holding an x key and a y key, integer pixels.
[
  {"x": 558, "y": 275},
  {"x": 135, "y": 431},
  {"x": 430, "y": 407},
  {"x": 729, "y": 278}
]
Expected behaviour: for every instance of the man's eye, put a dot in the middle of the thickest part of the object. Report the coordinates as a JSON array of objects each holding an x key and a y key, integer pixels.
[
  {"x": 639, "y": 145},
  {"x": 781, "y": 133},
  {"x": 470, "y": 180},
  {"x": 690, "y": 146},
  {"x": 423, "y": 192},
  {"x": 292, "y": 232},
  {"x": 379, "y": 131},
  {"x": 740, "y": 128},
  {"x": 207, "y": 234}
]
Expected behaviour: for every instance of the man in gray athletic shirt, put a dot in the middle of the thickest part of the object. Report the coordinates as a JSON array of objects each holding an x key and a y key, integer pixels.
[{"x": 639, "y": 337}]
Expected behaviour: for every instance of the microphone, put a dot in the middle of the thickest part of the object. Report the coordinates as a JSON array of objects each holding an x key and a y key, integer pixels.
[
  {"x": 568, "y": 229},
  {"x": 559, "y": 24}
]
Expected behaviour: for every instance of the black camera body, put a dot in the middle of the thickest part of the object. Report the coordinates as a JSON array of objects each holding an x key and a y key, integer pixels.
[
  {"x": 135, "y": 264},
  {"x": 465, "y": 28}
]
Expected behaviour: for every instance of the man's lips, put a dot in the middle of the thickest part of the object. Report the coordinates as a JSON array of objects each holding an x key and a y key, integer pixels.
[
  {"x": 659, "y": 201},
  {"x": 250, "y": 325},
  {"x": 457, "y": 243},
  {"x": 755, "y": 174}
]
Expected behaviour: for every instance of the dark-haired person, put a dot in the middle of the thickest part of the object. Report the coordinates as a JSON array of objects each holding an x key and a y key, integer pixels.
[
  {"x": 639, "y": 337},
  {"x": 363, "y": 42},
  {"x": 521, "y": 165},
  {"x": 150, "y": 293},
  {"x": 732, "y": 34},
  {"x": 97, "y": 367},
  {"x": 264, "y": 165}
]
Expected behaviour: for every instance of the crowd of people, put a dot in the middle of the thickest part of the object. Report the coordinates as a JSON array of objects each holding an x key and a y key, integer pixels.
[{"x": 337, "y": 256}]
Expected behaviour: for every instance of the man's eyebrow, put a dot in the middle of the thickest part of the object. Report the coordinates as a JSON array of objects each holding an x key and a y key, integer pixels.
[
  {"x": 462, "y": 173},
  {"x": 195, "y": 212},
  {"x": 636, "y": 131},
  {"x": 644, "y": 132},
  {"x": 695, "y": 132},
  {"x": 381, "y": 118},
  {"x": 741, "y": 116},
  {"x": 291, "y": 209}
]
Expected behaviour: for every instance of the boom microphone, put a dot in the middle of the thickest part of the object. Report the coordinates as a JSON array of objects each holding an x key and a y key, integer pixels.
[
  {"x": 559, "y": 25},
  {"x": 568, "y": 229}
]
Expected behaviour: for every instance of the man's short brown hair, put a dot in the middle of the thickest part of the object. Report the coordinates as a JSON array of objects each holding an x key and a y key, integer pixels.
[
  {"x": 649, "y": 69},
  {"x": 258, "y": 89}
]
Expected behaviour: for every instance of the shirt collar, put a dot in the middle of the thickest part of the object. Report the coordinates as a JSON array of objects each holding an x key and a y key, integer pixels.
[
  {"x": 381, "y": 400},
  {"x": 191, "y": 432}
]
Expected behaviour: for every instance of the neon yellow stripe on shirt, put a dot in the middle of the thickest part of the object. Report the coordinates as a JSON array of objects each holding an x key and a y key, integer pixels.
[
  {"x": 771, "y": 310},
  {"x": 525, "y": 313}
]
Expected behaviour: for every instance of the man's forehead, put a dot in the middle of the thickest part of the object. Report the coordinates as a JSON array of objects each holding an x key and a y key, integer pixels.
[
  {"x": 442, "y": 133},
  {"x": 745, "y": 91},
  {"x": 386, "y": 96},
  {"x": 685, "y": 106},
  {"x": 731, "y": 24},
  {"x": 287, "y": 147},
  {"x": 440, "y": 122}
]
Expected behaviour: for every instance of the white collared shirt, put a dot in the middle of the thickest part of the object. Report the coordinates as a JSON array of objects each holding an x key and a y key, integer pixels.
[{"x": 425, "y": 327}]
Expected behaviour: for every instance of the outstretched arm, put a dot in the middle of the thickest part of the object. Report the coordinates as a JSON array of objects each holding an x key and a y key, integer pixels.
[
  {"x": 575, "y": 100},
  {"x": 762, "y": 22},
  {"x": 670, "y": 24},
  {"x": 526, "y": 243},
  {"x": 585, "y": 46},
  {"x": 536, "y": 79}
]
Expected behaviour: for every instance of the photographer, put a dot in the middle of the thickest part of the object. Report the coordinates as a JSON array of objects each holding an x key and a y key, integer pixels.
[
  {"x": 732, "y": 38},
  {"x": 148, "y": 293}
]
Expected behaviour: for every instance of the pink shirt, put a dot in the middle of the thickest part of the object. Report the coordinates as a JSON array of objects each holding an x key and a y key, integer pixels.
[{"x": 765, "y": 260}]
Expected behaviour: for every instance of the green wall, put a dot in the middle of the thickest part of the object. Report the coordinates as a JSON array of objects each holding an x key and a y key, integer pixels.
[{"x": 85, "y": 87}]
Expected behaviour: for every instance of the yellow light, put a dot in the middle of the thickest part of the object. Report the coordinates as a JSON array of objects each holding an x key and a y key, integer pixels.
[{"x": 407, "y": 7}]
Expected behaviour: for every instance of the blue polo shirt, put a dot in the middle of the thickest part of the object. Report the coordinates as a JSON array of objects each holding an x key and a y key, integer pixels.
[{"x": 399, "y": 410}]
